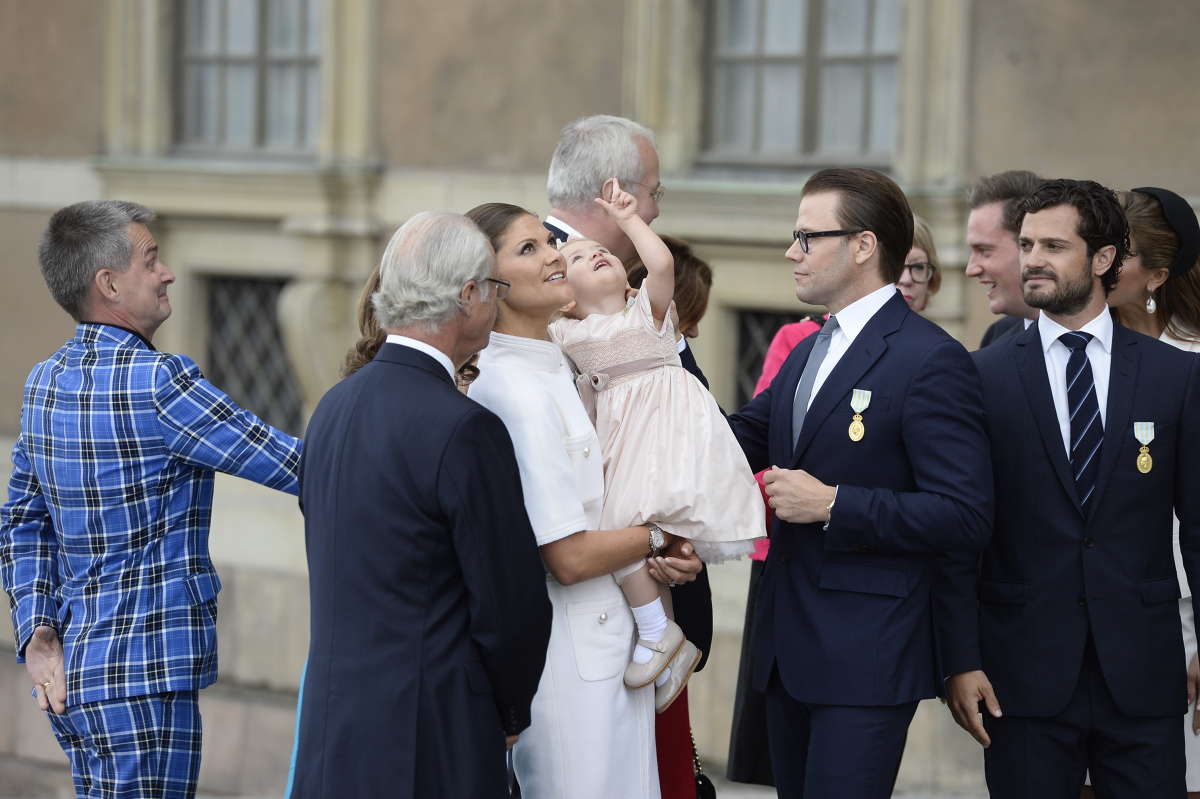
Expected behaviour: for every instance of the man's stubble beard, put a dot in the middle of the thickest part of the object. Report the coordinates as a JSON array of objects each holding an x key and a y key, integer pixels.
[{"x": 1066, "y": 299}]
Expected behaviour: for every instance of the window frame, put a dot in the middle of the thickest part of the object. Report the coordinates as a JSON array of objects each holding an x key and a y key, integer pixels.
[
  {"x": 262, "y": 60},
  {"x": 709, "y": 155}
]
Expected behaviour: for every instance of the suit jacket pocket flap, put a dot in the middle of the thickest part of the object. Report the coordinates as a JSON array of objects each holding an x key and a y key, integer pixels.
[
  {"x": 1004, "y": 593},
  {"x": 864, "y": 579},
  {"x": 1162, "y": 590},
  {"x": 203, "y": 587}
]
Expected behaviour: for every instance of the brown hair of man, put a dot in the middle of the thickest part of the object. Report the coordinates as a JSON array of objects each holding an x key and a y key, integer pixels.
[
  {"x": 1008, "y": 188},
  {"x": 870, "y": 200},
  {"x": 1102, "y": 222}
]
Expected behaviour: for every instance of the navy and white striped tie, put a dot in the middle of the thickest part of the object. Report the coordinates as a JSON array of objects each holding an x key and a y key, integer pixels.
[{"x": 1087, "y": 430}]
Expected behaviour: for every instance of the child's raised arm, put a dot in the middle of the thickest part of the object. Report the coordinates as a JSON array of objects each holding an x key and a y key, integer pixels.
[{"x": 656, "y": 257}]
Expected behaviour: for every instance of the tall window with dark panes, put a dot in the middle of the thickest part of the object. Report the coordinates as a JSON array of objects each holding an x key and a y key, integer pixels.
[
  {"x": 795, "y": 83},
  {"x": 249, "y": 77},
  {"x": 246, "y": 357}
]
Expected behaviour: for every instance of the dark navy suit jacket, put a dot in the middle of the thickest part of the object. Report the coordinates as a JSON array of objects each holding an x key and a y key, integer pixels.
[
  {"x": 1053, "y": 574},
  {"x": 693, "y": 601},
  {"x": 845, "y": 613},
  {"x": 430, "y": 618},
  {"x": 1002, "y": 328}
]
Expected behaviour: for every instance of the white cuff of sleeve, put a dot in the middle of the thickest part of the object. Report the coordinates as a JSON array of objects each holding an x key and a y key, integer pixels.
[{"x": 825, "y": 526}]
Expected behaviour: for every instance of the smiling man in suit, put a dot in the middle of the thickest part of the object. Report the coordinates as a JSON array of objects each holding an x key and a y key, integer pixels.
[
  {"x": 876, "y": 428},
  {"x": 1067, "y": 629}
]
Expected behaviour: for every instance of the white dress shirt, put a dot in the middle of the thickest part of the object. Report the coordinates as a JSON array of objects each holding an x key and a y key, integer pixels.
[
  {"x": 428, "y": 349},
  {"x": 1099, "y": 354},
  {"x": 851, "y": 320},
  {"x": 571, "y": 232}
]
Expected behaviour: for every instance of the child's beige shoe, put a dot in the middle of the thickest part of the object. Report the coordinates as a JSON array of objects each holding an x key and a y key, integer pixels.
[
  {"x": 640, "y": 674},
  {"x": 682, "y": 665}
]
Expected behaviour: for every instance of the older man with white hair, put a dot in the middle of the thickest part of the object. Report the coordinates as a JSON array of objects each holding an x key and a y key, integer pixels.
[
  {"x": 429, "y": 610},
  {"x": 591, "y": 153}
]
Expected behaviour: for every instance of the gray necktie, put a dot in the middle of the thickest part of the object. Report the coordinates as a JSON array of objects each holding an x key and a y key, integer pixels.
[{"x": 805, "y": 386}]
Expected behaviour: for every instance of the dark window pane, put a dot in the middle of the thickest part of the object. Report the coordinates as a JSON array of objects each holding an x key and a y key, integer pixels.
[
  {"x": 755, "y": 331},
  {"x": 246, "y": 353}
]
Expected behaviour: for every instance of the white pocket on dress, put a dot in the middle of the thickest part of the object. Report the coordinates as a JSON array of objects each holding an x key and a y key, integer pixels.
[
  {"x": 601, "y": 637},
  {"x": 584, "y": 452}
]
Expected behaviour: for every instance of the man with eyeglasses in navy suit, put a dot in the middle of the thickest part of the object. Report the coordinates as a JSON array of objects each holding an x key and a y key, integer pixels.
[{"x": 874, "y": 434}]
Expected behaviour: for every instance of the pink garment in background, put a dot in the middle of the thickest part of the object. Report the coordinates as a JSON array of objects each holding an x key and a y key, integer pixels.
[{"x": 786, "y": 339}]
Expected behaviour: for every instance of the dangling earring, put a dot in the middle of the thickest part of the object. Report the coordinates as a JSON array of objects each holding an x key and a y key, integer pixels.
[{"x": 1151, "y": 305}]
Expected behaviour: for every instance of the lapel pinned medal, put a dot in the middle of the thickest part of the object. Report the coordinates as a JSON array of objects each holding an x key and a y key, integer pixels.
[
  {"x": 860, "y": 400},
  {"x": 1144, "y": 433}
]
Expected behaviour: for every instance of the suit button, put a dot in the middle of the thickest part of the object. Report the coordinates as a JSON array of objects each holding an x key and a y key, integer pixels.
[
  {"x": 1089, "y": 543},
  {"x": 1082, "y": 602},
  {"x": 603, "y": 618},
  {"x": 587, "y": 451}
]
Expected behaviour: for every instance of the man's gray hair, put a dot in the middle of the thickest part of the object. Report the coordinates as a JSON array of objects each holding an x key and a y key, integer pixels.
[
  {"x": 82, "y": 239},
  {"x": 590, "y": 151},
  {"x": 424, "y": 268}
]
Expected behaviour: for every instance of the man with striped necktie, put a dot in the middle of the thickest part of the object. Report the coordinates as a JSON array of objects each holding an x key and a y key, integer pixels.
[{"x": 1064, "y": 636}]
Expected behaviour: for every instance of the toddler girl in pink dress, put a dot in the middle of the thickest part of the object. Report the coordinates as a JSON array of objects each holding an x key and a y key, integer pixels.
[{"x": 669, "y": 455}]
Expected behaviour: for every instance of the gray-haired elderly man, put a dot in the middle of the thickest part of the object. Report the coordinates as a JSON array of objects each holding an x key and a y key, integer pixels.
[
  {"x": 430, "y": 617},
  {"x": 591, "y": 152},
  {"x": 104, "y": 538}
]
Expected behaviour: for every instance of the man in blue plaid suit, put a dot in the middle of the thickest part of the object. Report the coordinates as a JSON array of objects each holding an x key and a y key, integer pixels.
[{"x": 104, "y": 538}]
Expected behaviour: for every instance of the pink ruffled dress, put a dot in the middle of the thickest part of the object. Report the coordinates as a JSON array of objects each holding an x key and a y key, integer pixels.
[{"x": 669, "y": 455}]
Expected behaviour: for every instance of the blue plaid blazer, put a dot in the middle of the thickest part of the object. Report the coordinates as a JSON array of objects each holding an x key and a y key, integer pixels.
[{"x": 105, "y": 533}]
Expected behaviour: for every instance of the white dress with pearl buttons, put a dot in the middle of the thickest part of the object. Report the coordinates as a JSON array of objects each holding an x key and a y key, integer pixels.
[{"x": 591, "y": 736}]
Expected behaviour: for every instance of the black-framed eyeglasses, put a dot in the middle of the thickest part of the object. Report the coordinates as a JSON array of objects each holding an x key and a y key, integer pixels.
[
  {"x": 921, "y": 272},
  {"x": 804, "y": 237},
  {"x": 656, "y": 193},
  {"x": 502, "y": 286}
]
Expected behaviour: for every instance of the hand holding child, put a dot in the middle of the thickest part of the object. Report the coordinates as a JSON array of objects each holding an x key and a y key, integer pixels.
[{"x": 622, "y": 206}]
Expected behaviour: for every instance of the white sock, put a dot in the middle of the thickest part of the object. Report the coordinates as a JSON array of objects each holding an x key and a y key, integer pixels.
[
  {"x": 651, "y": 620},
  {"x": 662, "y": 678}
]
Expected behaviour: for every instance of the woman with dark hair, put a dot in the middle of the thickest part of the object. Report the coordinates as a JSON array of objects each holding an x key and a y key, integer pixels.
[
  {"x": 693, "y": 282},
  {"x": 1158, "y": 294},
  {"x": 591, "y": 736}
]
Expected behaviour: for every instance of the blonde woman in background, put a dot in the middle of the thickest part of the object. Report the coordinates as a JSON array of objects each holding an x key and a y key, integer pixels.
[{"x": 922, "y": 276}]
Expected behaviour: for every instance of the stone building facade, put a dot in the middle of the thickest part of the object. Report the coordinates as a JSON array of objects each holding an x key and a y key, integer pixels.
[{"x": 281, "y": 141}]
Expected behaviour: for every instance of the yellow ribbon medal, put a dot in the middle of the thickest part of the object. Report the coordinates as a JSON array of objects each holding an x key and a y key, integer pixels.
[
  {"x": 860, "y": 400},
  {"x": 1144, "y": 433}
]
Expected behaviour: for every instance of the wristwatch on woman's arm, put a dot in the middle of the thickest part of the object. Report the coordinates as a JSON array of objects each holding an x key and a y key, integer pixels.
[{"x": 658, "y": 540}]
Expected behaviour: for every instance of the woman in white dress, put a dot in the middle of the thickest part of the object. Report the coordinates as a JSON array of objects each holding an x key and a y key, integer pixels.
[
  {"x": 1158, "y": 294},
  {"x": 590, "y": 735}
]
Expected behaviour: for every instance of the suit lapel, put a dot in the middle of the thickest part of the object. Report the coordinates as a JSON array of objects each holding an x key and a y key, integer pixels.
[
  {"x": 1031, "y": 365},
  {"x": 868, "y": 346},
  {"x": 1122, "y": 379}
]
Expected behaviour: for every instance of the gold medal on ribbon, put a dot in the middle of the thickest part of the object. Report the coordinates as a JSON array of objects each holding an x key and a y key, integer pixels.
[
  {"x": 1144, "y": 433},
  {"x": 860, "y": 400}
]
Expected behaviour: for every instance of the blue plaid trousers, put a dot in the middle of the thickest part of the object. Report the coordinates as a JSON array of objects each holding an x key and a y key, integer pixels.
[{"x": 145, "y": 747}]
